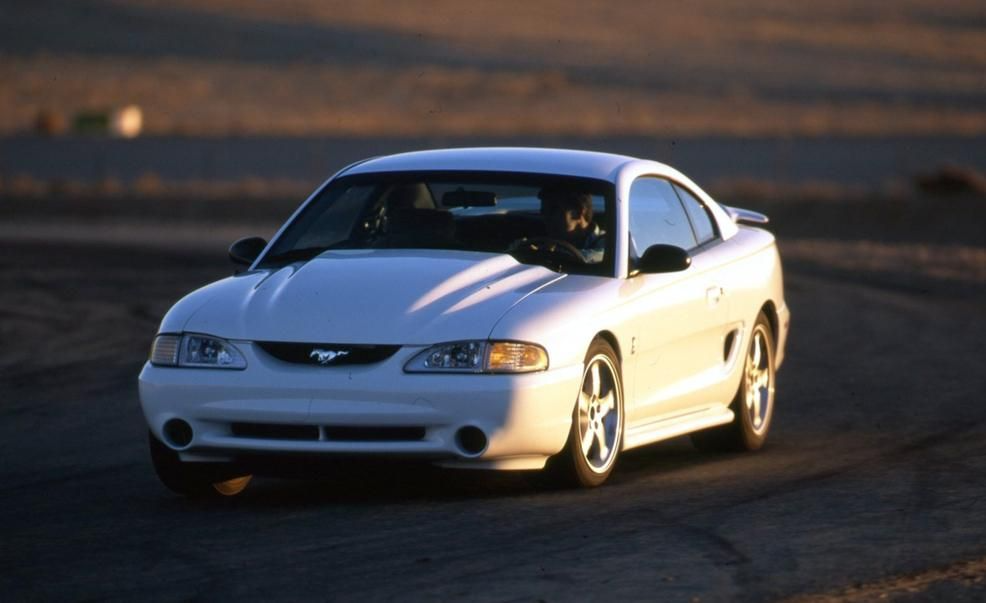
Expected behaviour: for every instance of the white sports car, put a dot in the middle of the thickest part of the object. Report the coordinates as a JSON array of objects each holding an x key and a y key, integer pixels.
[{"x": 490, "y": 308}]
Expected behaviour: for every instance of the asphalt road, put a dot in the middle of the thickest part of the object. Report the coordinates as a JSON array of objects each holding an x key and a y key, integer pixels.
[{"x": 872, "y": 482}]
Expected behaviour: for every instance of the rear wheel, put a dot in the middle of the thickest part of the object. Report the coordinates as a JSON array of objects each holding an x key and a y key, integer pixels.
[
  {"x": 195, "y": 480},
  {"x": 597, "y": 422},
  {"x": 753, "y": 405}
]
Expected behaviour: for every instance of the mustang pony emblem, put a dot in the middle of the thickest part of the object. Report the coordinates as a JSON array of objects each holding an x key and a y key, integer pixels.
[{"x": 327, "y": 356}]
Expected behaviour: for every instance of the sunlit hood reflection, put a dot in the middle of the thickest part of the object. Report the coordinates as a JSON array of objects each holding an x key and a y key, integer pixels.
[{"x": 370, "y": 296}]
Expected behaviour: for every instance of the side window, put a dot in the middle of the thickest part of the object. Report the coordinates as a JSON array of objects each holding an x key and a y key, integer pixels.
[
  {"x": 701, "y": 222},
  {"x": 656, "y": 216}
]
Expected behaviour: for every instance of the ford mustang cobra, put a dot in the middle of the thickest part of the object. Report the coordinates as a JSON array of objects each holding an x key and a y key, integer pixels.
[{"x": 485, "y": 308}]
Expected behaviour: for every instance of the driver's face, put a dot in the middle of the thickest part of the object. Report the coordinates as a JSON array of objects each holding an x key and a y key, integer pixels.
[{"x": 564, "y": 223}]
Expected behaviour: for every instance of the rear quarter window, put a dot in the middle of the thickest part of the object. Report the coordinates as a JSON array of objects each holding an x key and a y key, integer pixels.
[{"x": 698, "y": 214}]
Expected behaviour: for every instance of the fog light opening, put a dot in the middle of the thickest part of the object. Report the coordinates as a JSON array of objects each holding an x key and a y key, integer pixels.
[
  {"x": 177, "y": 433},
  {"x": 471, "y": 440}
]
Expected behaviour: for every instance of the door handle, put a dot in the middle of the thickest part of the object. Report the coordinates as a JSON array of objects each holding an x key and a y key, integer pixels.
[{"x": 713, "y": 295}]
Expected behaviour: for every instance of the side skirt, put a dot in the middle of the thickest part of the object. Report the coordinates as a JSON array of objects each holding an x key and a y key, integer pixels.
[{"x": 670, "y": 427}]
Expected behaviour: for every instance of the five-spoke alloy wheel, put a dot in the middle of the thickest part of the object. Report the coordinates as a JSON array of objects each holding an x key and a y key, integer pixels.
[
  {"x": 753, "y": 406},
  {"x": 597, "y": 422},
  {"x": 758, "y": 374}
]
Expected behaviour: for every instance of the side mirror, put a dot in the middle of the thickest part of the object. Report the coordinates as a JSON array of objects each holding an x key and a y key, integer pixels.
[
  {"x": 245, "y": 251},
  {"x": 663, "y": 258}
]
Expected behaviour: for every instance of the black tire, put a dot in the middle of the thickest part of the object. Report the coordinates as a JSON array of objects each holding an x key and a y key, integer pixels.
[
  {"x": 195, "y": 480},
  {"x": 746, "y": 433},
  {"x": 575, "y": 466}
]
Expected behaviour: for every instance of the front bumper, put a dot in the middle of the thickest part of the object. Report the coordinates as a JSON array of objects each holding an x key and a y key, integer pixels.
[{"x": 525, "y": 418}]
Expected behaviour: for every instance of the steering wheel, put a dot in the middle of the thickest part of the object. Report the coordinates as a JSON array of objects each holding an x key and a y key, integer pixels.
[{"x": 549, "y": 246}]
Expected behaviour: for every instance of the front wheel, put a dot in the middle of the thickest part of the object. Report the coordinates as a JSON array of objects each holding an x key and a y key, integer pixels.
[
  {"x": 597, "y": 422},
  {"x": 753, "y": 405},
  {"x": 195, "y": 480}
]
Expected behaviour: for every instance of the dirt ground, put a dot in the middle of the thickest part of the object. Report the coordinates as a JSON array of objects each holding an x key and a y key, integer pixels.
[
  {"x": 314, "y": 67},
  {"x": 871, "y": 486}
]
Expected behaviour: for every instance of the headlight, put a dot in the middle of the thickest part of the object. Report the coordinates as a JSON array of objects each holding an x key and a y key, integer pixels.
[
  {"x": 480, "y": 357},
  {"x": 195, "y": 351}
]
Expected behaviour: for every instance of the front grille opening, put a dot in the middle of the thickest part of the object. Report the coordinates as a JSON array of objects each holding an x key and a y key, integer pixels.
[
  {"x": 327, "y": 354},
  {"x": 272, "y": 431},
  {"x": 374, "y": 434}
]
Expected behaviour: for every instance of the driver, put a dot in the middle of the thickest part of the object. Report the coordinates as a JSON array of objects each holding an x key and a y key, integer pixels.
[{"x": 567, "y": 213}]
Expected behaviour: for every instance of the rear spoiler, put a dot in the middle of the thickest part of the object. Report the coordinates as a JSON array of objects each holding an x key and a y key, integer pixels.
[{"x": 746, "y": 216}]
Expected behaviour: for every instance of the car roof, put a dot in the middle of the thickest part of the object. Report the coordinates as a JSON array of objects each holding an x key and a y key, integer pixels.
[{"x": 588, "y": 164}]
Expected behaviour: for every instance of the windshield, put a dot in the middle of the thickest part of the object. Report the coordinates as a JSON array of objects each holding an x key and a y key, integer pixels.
[{"x": 554, "y": 221}]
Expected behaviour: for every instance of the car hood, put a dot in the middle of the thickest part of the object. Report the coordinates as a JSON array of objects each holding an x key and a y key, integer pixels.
[{"x": 367, "y": 297}]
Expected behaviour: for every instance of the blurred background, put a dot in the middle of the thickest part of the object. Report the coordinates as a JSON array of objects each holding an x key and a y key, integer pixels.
[
  {"x": 220, "y": 116},
  {"x": 141, "y": 96},
  {"x": 860, "y": 127}
]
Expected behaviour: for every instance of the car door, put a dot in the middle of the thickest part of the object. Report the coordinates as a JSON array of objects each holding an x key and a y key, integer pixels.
[
  {"x": 713, "y": 258},
  {"x": 679, "y": 317}
]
